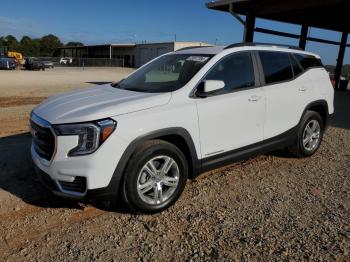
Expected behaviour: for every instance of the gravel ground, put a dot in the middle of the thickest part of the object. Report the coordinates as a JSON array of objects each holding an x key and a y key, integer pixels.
[{"x": 268, "y": 208}]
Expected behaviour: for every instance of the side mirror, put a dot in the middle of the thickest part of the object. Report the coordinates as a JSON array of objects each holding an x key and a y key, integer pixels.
[{"x": 208, "y": 87}]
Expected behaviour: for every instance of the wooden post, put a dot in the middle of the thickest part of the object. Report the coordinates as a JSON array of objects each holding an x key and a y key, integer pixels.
[
  {"x": 340, "y": 60},
  {"x": 249, "y": 29},
  {"x": 303, "y": 36}
]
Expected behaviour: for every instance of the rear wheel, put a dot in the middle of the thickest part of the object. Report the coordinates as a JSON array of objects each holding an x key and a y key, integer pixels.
[
  {"x": 155, "y": 177},
  {"x": 309, "y": 136}
]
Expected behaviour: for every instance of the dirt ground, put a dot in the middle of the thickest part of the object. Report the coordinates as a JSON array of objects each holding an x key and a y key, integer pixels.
[
  {"x": 268, "y": 208},
  {"x": 20, "y": 90}
]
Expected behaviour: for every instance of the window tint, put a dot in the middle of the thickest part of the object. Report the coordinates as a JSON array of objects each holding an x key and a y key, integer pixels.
[
  {"x": 276, "y": 66},
  {"x": 236, "y": 71},
  {"x": 308, "y": 61},
  {"x": 297, "y": 70}
]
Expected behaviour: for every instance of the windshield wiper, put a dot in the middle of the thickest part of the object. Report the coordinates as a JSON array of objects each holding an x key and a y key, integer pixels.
[{"x": 116, "y": 84}]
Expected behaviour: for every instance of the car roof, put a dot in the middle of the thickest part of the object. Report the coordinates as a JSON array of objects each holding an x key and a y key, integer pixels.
[{"x": 214, "y": 50}]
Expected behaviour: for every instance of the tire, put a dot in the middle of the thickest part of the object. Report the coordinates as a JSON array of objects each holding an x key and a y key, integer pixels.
[
  {"x": 310, "y": 120},
  {"x": 136, "y": 177}
]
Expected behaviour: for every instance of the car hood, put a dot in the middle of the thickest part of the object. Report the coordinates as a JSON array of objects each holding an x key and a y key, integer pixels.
[{"x": 96, "y": 103}]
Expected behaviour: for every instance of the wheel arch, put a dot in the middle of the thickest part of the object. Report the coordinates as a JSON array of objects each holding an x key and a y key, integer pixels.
[
  {"x": 178, "y": 136},
  {"x": 321, "y": 107}
]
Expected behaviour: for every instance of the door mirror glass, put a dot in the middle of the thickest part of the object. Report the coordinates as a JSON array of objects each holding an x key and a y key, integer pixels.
[
  {"x": 213, "y": 85},
  {"x": 209, "y": 87}
]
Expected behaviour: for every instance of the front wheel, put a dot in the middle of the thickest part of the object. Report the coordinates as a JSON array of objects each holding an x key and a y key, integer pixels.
[
  {"x": 309, "y": 136},
  {"x": 155, "y": 177}
]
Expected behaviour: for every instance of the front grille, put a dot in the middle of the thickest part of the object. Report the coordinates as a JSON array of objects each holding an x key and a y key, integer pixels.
[
  {"x": 43, "y": 140},
  {"x": 78, "y": 185}
]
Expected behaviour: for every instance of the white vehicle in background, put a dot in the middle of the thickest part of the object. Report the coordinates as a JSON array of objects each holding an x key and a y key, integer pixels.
[
  {"x": 66, "y": 60},
  {"x": 181, "y": 114}
]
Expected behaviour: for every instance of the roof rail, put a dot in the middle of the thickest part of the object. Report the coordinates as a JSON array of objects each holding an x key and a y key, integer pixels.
[{"x": 262, "y": 44}]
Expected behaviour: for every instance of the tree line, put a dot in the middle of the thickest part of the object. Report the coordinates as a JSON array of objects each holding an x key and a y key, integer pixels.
[{"x": 37, "y": 47}]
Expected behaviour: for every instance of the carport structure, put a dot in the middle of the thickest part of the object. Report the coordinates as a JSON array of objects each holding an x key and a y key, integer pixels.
[{"x": 326, "y": 14}]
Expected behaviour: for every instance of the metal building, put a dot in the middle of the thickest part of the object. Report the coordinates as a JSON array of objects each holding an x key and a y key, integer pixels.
[{"x": 131, "y": 55}]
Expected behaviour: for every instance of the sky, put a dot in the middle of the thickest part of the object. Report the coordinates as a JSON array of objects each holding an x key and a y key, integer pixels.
[{"x": 121, "y": 21}]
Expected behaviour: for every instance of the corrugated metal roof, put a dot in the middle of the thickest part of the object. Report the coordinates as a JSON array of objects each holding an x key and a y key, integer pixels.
[{"x": 327, "y": 14}]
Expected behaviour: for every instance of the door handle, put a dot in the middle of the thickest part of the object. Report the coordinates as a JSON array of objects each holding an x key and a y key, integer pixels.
[
  {"x": 303, "y": 88},
  {"x": 254, "y": 98}
]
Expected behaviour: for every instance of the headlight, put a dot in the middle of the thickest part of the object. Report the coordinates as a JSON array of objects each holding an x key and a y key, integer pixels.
[{"x": 91, "y": 135}]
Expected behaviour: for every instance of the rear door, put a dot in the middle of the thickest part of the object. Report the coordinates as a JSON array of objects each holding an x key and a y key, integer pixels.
[
  {"x": 284, "y": 93},
  {"x": 232, "y": 117}
]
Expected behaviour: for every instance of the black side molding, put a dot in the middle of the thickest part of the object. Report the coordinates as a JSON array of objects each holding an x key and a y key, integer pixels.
[{"x": 271, "y": 144}]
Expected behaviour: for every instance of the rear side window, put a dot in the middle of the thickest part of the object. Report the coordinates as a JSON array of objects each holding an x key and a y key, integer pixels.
[
  {"x": 307, "y": 61},
  {"x": 236, "y": 71},
  {"x": 276, "y": 66}
]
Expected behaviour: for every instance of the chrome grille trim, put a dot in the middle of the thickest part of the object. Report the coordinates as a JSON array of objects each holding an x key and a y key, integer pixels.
[{"x": 45, "y": 148}]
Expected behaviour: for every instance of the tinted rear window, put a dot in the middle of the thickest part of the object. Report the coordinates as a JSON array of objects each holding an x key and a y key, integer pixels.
[
  {"x": 276, "y": 66},
  {"x": 297, "y": 69},
  {"x": 307, "y": 61}
]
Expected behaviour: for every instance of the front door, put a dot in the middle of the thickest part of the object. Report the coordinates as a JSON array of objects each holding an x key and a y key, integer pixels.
[{"x": 233, "y": 117}]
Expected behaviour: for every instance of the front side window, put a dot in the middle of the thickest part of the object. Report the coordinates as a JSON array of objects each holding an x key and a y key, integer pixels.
[
  {"x": 166, "y": 74},
  {"x": 236, "y": 71},
  {"x": 276, "y": 66}
]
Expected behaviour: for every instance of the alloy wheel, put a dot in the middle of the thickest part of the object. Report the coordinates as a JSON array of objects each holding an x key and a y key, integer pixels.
[
  {"x": 158, "y": 180},
  {"x": 311, "y": 135}
]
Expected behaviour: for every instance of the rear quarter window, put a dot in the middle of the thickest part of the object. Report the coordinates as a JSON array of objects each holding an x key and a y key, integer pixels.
[
  {"x": 297, "y": 69},
  {"x": 308, "y": 61}
]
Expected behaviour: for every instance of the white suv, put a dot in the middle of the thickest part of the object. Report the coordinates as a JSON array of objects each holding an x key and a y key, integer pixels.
[{"x": 177, "y": 116}]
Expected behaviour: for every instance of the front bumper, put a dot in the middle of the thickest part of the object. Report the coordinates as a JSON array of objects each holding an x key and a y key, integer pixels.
[
  {"x": 53, "y": 186},
  {"x": 60, "y": 176},
  {"x": 50, "y": 184},
  {"x": 80, "y": 177}
]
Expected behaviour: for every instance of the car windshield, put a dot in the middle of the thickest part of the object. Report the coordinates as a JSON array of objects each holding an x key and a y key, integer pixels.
[{"x": 166, "y": 74}]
